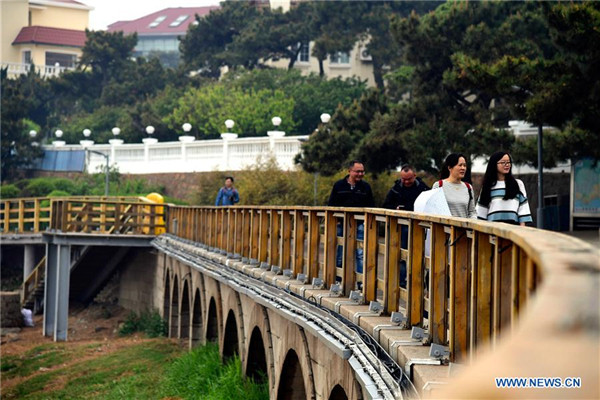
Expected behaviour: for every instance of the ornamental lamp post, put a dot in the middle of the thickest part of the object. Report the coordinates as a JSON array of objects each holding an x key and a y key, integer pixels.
[{"x": 58, "y": 143}]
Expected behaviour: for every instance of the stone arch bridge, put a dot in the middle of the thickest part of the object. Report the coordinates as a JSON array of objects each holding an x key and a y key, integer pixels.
[{"x": 322, "y": 310}]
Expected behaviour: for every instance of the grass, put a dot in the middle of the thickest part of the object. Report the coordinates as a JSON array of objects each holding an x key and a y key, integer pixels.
[{"x": 153, "y": 369}]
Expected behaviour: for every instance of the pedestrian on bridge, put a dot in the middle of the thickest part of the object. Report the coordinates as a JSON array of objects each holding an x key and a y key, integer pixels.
[
  {"x": 352, "y": 191},
  {"x": 458, "y": 193},
  {"x": 228, "y": 195},
  {"x": 402, "y": 196},
  {"x": 503, "y": 197}
]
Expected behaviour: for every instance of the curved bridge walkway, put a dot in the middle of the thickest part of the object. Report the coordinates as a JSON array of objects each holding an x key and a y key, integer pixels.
[{"x": 336, "y": 303}]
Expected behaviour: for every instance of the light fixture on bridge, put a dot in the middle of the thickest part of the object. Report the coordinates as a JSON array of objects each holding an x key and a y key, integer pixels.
[
  {"x": 229, "y": 124},
  {"x": 325, "y": 118},
  {"x": 58, "y": 143},
  {"x": 276, "y": 121},
  {"x": 186, "y": 137},
  {"x": 86, "y": 142},
  {"x": 149, "y": 140},
  {"x": 114, "y": 142}
]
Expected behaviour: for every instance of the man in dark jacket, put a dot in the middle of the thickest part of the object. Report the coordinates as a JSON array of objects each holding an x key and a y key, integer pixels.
[
  {"x": 352, "y": 191},
  {"x": 402, "y": 196},
  {"x": 405, "y": 191}
]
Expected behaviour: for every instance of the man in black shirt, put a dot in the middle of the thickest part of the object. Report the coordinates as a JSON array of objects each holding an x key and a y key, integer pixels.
[
  {"x": 352, "y": 191},
  {"x": 405, "y": 191},
  {"x": 402, "y": 196}
]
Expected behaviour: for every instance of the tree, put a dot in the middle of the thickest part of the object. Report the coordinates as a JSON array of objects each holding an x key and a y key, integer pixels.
[
  {"x": 205, "y": 45},
  {"x": 313, "y": 95},
  {"x": 107, "y": 53},
  {"x": 208, "y": 107},
  {"x": 16, "y": 149},
  {"x": 331, "y": 145},
  {"x": 441, "y": 116},
  {"x": 559, "y": 88}
]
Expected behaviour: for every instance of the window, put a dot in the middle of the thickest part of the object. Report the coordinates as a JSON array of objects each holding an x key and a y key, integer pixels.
[
  {"x": 157, "y": 21},
  {"x": 178, "y": 21},
  {"x": 65, "y": 60},
  {"x": 27, "y": 57},
  {"x": 304, "y": 54},
  {"x": 341, "y": 57}
]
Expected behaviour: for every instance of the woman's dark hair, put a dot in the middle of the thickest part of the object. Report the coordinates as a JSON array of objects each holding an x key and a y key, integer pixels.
[
  {"x": 229, "y": 177},
  {"x": 491, "y": 177},
  {"x": 450, "y": 162}
]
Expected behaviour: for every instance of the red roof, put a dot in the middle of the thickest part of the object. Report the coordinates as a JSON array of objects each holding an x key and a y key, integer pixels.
[
  {"x": 162, "y": 25},
  {"x": 55, "y": 36}
]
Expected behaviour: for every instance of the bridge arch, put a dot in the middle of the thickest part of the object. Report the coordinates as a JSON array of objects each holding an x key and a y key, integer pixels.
[
  {"x": 232, "y": 341},
  {"x": 214, "y": 307},
  {"x": 259, "y": 358},
  {"x": 174, "y": 310},
  {"x": 338, "y": 393},
  {"x": 291, "y": 379},
  {"x": 196, "y": 336},
  {"x": 212, "y": 323},
  {"x": 230, "y": 338},
  {"x": 184, "y": 315}
]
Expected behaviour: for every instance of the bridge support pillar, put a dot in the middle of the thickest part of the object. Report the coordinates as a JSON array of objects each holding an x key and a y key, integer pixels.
[
  {"x": 28, "y": 260},
  {"x": 56, "y": 297}
]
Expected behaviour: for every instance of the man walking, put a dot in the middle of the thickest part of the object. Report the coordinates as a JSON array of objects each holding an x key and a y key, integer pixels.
[
  {"x": 402, "y": 196},
  {"x": 405, "y": 191},
  {"x": 227, "y": 195},
  {"x": 352, "y": 191}
]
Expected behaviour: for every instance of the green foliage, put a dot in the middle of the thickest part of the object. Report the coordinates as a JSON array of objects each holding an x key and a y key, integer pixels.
[
  {"x": 58, "y": 193},
  {"x": 312, "y": 94},
  {"x": 148, "y": 322},
  {"x": 9, "y": 191},
  {"x": 200, "y": 374},
  {"x": 332, "y": 145},
  {"x": 208, "y": 107}
]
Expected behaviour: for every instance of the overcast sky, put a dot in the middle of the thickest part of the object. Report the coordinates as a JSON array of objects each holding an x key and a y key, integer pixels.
[{"x": 106, "y": 12}]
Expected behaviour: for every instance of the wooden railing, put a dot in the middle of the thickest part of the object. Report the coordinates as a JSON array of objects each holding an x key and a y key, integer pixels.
[
  {"x": 33, "y": 281},
  {"x": 479, "y": 278},
  {"x": 88, "y": 214},
  {"x": 107, "y": 217}
]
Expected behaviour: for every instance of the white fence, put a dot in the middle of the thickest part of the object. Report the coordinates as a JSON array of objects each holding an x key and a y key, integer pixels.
[
  {"x": 229, "y": 154},
  {"x": 15, "y": 69}
]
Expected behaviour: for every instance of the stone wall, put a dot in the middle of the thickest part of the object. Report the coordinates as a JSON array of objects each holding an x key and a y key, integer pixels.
[{"x": 10, "y": 304}]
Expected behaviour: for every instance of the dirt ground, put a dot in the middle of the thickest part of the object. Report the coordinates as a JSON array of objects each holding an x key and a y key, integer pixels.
[{"x": 93, "y": 324}]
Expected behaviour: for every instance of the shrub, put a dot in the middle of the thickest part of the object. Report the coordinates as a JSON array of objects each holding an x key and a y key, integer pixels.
[
  {"x": 9, "y": 191},
  {"x": 58, "y": 193},
  {"x": 148, "y": 322}
]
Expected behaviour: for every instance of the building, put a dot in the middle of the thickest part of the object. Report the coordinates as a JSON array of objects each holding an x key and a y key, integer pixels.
[
  {"x": 49, "y": 34},
  {"x": 159, "y": 32}
]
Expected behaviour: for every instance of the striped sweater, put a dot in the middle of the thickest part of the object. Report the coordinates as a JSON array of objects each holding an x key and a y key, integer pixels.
[{"x": 513, "y": 210}]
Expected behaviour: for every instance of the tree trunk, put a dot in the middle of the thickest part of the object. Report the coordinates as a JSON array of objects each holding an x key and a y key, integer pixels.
[{"x": 377, "y": 74}]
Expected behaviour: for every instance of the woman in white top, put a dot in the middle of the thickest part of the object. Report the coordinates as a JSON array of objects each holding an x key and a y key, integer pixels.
[
  {"x": 459, "y": 194},
  {"x": 503, "y": 198}
]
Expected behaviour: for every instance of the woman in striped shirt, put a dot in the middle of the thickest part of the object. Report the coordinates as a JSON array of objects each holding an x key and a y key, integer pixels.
[{"x": 503, "y": 197}]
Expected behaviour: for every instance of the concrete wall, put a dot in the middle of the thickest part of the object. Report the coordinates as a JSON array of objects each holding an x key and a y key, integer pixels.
[{"x": 138, "y": 282}]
